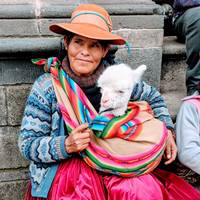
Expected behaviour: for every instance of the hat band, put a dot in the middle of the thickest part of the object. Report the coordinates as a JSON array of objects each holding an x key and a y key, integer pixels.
[{"x": 102, "y": 23}]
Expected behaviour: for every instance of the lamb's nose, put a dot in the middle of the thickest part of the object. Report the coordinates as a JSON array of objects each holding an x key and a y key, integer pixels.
[{"x": 104, "y": 101}]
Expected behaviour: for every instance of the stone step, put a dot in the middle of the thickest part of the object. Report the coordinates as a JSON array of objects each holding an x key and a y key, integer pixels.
[
  {"x": 145, "y": 47},
  {"x": 172, "y": 85},
  {"x": 173, "y": 100},
  {"x": 19, "y": 9},
  {"x": 171, "y": 46},
  {"x": 173, "y": 65}
]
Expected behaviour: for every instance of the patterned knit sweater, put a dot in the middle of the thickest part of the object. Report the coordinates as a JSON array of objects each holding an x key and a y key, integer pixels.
[{"x": 41, "y": 138}]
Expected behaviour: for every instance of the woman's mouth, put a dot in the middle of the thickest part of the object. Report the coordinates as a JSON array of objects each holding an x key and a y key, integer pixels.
[{"x": 83, "y": 60}]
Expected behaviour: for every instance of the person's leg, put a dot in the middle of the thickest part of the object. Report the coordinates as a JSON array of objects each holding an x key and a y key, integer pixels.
[
  {"x": 142, "y": 187},
  {"x": 76, "y": 180},
  {"x": 187, "y": 28}
]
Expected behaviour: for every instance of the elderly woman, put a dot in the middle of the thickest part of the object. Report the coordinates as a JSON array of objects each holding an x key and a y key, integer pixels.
[{"x": 56, "y": 169}]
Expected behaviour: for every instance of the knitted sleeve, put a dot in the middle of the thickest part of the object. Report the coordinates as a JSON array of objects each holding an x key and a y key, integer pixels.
[
  {"x": 39, "y": 138},
  {"x": 144, "y": 92}
]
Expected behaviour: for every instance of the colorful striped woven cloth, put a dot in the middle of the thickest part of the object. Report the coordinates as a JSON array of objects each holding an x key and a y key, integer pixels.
[{"x": 129, "y": 145}]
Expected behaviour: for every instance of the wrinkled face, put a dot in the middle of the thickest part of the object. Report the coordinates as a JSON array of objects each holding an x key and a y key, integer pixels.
[
  {"x": 84, "y": 54},
  {"x": 115, "y": 95}
]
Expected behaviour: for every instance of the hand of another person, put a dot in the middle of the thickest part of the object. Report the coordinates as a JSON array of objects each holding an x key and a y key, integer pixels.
[
  {"x": 78, "y": 139},
  {"x": 170, "y": 149}
]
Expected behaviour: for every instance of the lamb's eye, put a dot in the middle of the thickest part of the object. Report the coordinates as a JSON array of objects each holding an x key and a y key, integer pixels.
[{"x": 120, "y": 91}]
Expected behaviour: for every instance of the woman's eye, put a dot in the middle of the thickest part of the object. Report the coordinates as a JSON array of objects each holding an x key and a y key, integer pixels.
[
  {"x": 95, "y": 45},
  {"x": 77, "y": 41}
]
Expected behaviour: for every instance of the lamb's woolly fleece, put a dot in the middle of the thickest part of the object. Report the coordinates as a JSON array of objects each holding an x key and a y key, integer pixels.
[{"x": 117, "y": 83}]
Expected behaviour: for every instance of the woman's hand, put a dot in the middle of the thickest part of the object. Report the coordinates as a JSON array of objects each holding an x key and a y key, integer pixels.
[
  {"x": 171, "y": 149},
  {"x": 78, "y": 139}
]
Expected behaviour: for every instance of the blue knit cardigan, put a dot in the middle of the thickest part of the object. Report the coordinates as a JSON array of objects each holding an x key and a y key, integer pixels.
[{"x": 42, "y": 135}]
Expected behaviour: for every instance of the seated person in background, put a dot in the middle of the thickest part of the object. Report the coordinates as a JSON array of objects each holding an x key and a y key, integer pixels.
[
  {"x": 188, "y": 136},
  {"x": 187, "y": 28},
  {"x": 186, "y": 23}
]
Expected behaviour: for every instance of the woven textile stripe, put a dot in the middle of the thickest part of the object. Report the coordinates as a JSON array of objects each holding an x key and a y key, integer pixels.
[{"x": 76, "y": 109}]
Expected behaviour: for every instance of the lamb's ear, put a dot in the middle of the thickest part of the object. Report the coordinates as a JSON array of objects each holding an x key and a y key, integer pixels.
[{"x": 138, "y": 72}]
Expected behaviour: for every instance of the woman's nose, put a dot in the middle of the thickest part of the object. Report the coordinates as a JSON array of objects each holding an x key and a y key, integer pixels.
[{"x": 85, "y": 51}]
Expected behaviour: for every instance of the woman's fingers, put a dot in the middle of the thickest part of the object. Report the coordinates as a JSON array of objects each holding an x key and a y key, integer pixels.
[
  {"x": 171, "y": 149},
  {"x": 82, "y": 147},
  {"x": 80, "y": 128},
  {"x": 78, "y": 139},
  {"x": 78, "y": 136},
  {"x": 82, "y": 141},
  {"x": 173, "y": 157},
  {"x": 76, "y": 147}
]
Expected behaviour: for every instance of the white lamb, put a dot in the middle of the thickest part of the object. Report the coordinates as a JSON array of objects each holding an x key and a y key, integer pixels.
[{"x": 117, "y": 83}]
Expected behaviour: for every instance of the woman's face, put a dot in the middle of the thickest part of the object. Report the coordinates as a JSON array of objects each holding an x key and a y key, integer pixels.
[{"x": 84, "y": 54}]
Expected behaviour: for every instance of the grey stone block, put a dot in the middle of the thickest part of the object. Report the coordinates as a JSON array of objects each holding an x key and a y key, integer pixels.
[
  {"x": 62, "y": 8},
  {"x": 18, "y": 71},
  {"x": 10, "y": 11},
  {"x": 69, "y": 2},
  {"x": 172, "y": 47},
  {"x": 14, "y": 175},
  {"x": 40, "y": 27},
  {"x": 15, "y": 190},
  {"x": 9, "y": 152},
  {"x": 138, "y": 21},
  {"x": 14, "y": 2},
  {"x": 62, "y": 11},
  {"x": 22, "y": 27},
  {"x": 128, "y": 21},
  {"x": 45, "y": 23},
  {"x": 148, "y": 56},
  {"x": 3, "y": 113},
  {"x": 173, "y": 76},
  {"x": 173, "y": 101},
  {"x": 16, "y": 98},
  {"x": 51, "y": 45},
  {"x": 142, "y": 38},
  {"x": 29, "y": 46},
  {"x": 132, "y": 8}
]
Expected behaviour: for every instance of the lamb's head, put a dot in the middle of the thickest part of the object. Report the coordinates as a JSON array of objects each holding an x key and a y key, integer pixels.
[{"x": 117, "y": 83}]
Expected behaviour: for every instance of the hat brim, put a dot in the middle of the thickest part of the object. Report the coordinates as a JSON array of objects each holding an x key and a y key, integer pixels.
[{"x": 87, "y": 30}]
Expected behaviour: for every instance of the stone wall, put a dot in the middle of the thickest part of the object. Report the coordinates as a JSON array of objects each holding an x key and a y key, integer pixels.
[{"x": 24, "y": 35}]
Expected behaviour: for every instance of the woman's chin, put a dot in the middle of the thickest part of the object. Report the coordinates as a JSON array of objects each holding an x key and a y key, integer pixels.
[
  {"x": 82, "y": 68},
  {"x": 82, "y": 72},
  {"x": 86, "y": 74}
]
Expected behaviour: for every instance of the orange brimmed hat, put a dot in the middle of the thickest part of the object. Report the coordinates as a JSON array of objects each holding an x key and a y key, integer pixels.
[{"x": 91, "y": 21}]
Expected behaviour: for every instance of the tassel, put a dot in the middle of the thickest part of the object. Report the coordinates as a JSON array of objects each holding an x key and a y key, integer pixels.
[
  {"x": 128, "y": 46},
  {"x": 47, "y": 63}
]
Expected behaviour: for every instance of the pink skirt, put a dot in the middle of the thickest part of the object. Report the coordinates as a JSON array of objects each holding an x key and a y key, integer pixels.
[{"x": 76, "y": 180}]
